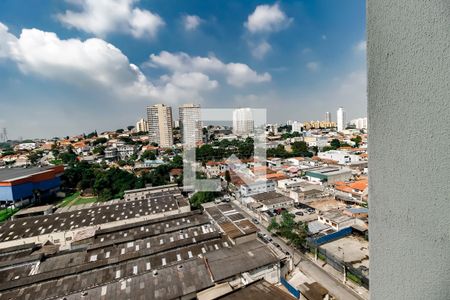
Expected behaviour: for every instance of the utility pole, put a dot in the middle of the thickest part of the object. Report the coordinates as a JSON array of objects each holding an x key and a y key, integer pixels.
[{"x": 343, "y": 263}]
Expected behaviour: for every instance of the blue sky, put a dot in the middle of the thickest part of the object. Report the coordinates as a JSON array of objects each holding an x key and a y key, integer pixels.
[{"x": 73, "y": 66}]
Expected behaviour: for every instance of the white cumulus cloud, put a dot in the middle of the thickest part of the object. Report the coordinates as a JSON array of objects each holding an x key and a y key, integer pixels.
[
  {"x": 94, "y": 63},
  {"x": 267, "y": 18},
  {"x": 236, "y": 74},
  {"x": 191, "y": 22},
  {"x": 101, "y": 17}
]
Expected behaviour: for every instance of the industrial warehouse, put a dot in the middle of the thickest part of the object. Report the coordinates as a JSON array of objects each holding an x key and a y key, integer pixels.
[
  {"x": 22, "y": 186},
  {"x": 146, "y": 246}
]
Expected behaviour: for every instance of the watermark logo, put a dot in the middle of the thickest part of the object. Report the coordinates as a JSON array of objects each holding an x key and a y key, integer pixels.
[{"x": 246, "y": 123}]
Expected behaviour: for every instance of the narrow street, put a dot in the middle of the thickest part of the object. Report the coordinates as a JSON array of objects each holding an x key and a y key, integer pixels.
[{"x": 301, "y": 261}]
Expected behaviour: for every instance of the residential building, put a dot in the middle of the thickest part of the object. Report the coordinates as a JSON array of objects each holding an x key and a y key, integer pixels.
[
  {"x": 26, "y": 146},
  {"x": 360, "y": 123},
  {"x": 111, "y": 153},
  {"x": 125, "y": 151},
  {"x": 316, "y": 140},
  {"x": 243, "y": 121},
  {"x": 190, "y": 124},
  {"x": 356, "y": 191},
  {"x": 297, "y": 126},
  {"x": 272, "y": 129},
  {"x": 142, "y": 126},
  {"x": 340, "y": 119},
  {"x": 160, "y": 125},
  {"x": 328, "y": 117},
  {"x": 341, "y": 157}
]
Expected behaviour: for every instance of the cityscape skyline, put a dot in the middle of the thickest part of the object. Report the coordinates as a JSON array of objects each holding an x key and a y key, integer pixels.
[{"x": 42, "y": 97}]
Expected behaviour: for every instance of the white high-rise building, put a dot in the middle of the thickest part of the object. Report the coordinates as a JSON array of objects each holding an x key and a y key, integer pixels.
[
  {"x": 340, "y": 119},
  {"x": 328, "y": 117},
  {"x": 160, "y": 125},
  {"x": 141, "y": 126},
  {"x": 360, "y": 123},
  {"x": 190, "y": 124},
  {"x": 243, "y": 121},
  {"x": 297, "y": 126}
]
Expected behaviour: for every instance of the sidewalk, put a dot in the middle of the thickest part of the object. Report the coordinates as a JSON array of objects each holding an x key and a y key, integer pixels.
[{"x": 363, "y": 292}]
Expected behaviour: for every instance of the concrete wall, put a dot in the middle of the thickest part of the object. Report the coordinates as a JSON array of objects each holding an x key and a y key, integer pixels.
[{"x": 409, "y": 121}]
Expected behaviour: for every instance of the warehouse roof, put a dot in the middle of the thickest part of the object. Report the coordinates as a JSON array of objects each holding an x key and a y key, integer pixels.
[
  {"x": 271, "y": 198},
  {"x": 261, "y": 290},
  {"x": 228, "y": 262},
  {"x": 10, "y": 174},
  {"x": 232, "y": 222},
  {"x": 95, "y": 215}
]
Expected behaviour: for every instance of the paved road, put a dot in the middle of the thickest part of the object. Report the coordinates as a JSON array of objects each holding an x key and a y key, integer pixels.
[{"x": 335, "y": 287}]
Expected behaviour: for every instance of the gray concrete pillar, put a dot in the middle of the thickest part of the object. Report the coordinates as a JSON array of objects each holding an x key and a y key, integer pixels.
[{"x": 409, "y": 148}]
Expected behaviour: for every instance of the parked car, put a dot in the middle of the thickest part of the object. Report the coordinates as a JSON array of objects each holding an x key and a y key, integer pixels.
[
  {"x": 299, "y": 213},
  {"x": 255, "y": 221}
]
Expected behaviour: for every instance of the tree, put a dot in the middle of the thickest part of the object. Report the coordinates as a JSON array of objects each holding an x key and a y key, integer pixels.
[
  {"x": 299, "y": 147},
  {"x": 99, "y": 141},
  {"x": 202, "y": 197},
  {"x": 177, "y": 162},
  {"x": 130, "y": 127},
  {"x": 68, "y": 157},
  {"x": 327, "y": 148},
  {"x": 273, "y": 225},
  {"x": 92, "y": 134},
  {"x": 296, "y": 233},
  {"x": 227, "y": 177},
  {"x": 127, "y": 140},
  {"x": 357, "y": 140},
  {"x": 148, "y": 155},
  {"x": 99, "y": 150},
  {"x": 315, "y": 149},
  {"x": 120, "y": 130},
  {"x": 34, "y": 157},
  {"x": 335, "y": 144}
]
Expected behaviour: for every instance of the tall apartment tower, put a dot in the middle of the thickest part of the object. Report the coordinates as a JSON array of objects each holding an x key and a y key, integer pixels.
[
  {"x": 328, "y": 117},
  {"x": 160, "y": 125},
  {"x": 242, "y": 121},
  {"x": 340, "y": 119},
  {"x": 141, "y": 126},
  {"x": 190, "y": 124}
]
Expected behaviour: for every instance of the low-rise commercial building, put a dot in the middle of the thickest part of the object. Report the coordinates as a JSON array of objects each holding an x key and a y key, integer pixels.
[
  {"x": 329, "y": 175},
  {"x": 336, "y": 219},
  {"x": 21, "y": 186},
  {"x": 272, "y": 200},
  {"x": 257, "y": 187}
]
